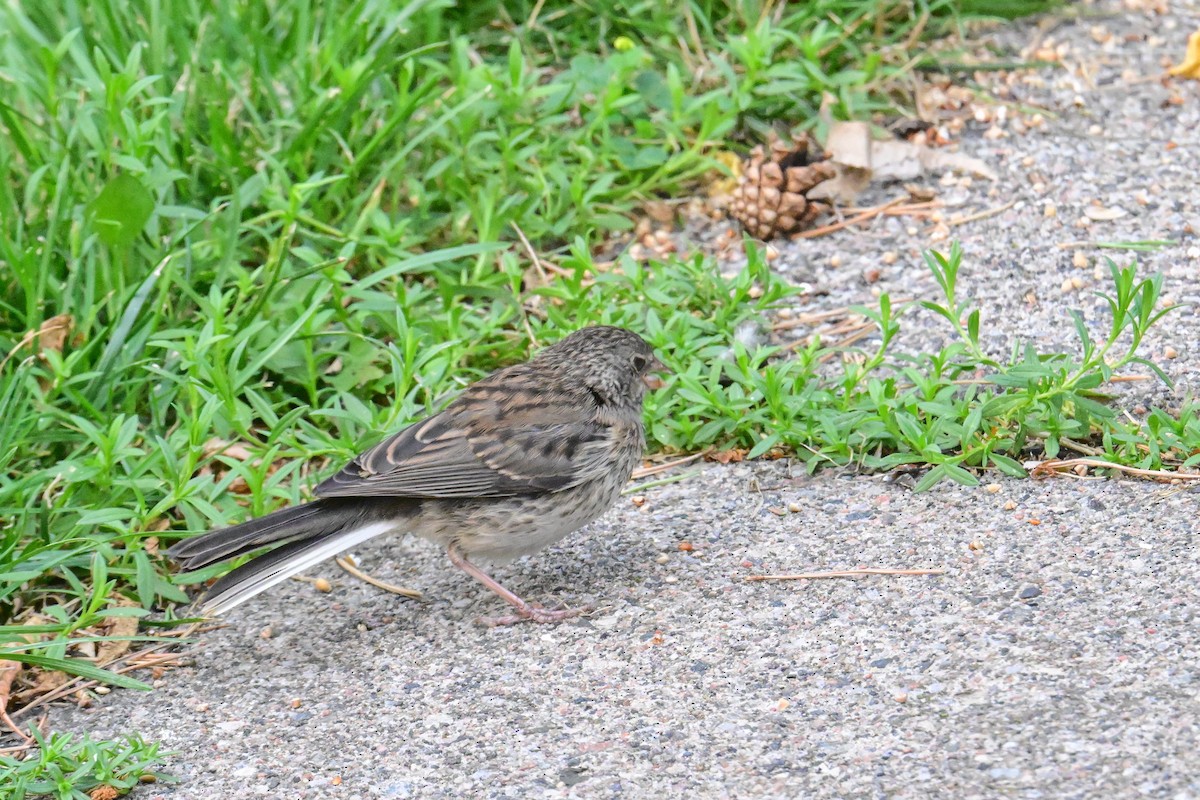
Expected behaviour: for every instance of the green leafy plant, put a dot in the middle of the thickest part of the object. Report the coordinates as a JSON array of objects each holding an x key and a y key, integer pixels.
[{"x": 67, "y": 767}]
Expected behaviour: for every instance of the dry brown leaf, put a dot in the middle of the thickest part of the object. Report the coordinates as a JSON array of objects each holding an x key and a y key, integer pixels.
[
  {"x": 719, "y": 184},
  {"x": 46, "y": 681},
  {"x": 862, "y": 158},
  {"x": 727, "y": 456},
  {"x": 234, "y": 450},
  {"x": 118, "y": 626},
  {"x": 9, "y": 670},
  {"x": 659, "y": 211},
  {"x": 844, "y": 187},
  {"x": 1190, "y": 66},
  {"x": 52, "y": 334}
]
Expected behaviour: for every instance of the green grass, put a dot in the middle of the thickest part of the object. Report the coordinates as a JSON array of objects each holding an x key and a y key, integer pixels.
[{"x": 293, "y": 228}]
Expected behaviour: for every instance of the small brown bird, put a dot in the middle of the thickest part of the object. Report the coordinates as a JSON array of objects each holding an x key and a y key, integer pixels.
[{"x": 519, "y": 460}]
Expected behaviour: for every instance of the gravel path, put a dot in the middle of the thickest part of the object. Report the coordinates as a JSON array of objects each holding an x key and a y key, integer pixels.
[{"x": 1057, "y": 656}]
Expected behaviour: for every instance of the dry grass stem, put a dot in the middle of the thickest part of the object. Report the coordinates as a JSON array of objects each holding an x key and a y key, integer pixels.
[
  {"x": 844, "y": 573},
  {"x": 347, "y": 563}
]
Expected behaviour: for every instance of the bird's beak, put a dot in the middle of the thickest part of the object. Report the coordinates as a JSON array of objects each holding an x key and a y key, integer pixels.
[{"x": 652, "y": 379}]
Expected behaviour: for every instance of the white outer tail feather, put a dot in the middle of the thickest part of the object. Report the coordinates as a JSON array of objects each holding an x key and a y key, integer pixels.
[{"x": 328, "y": 548}]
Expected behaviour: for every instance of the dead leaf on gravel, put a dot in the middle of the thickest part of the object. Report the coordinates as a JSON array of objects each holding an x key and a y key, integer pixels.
[
  {"x": 46, "y": 681},
  {"x": 1190, "y": 66},
  {"x": 727, "y": 456},
  {"x": 851, "y": 145},
  {"x": 118, "y": 626}
]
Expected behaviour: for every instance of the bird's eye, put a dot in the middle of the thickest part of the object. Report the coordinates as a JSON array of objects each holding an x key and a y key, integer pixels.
[{"x": 640, "y": 363}]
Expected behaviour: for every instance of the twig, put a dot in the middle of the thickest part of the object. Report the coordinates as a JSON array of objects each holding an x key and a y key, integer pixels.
[
  {"x": 77, "y": 683},
  {"x": 533, "y": 256},
  {"x": 347, "y": 563},
  {"x": 921, "y": 207},
  {"x": 814, "y": 317},
  {"x": 861, "y": 332},
  {"x": 646, "y": 472},
  {"x": 1056, "y": 466},
  {"x": 537, "y": 265},
  {"x": 987, "y": 212},
  {"x": 837, "y": 226},
  {"x": 844, "y": 573},
  {"x": 992, "y": 382},
  {"x": 641, "y": 487},
  {"x": 1078, "y": 447}
]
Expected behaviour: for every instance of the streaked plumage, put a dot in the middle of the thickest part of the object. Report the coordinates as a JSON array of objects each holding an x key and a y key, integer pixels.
[{"x": 517, "y": 461}]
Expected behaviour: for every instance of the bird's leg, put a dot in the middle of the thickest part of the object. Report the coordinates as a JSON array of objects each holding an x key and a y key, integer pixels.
[{"x": 525, "y": 611}]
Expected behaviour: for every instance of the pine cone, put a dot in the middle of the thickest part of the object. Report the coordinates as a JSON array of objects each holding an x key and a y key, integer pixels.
[{"x": 770, "y": 196}]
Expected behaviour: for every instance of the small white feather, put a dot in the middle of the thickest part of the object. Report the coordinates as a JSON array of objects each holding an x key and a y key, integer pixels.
[{"x": 260, "y": 582}]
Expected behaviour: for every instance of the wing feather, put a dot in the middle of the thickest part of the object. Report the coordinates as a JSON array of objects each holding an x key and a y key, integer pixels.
[{"x": 491, "y": 442}]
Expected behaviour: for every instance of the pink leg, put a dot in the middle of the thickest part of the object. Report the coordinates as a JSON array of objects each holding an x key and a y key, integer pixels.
[{"x": 525, "y": 611}]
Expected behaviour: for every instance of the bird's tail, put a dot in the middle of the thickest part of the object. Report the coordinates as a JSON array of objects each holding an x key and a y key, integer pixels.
[{"x": 306, "y": 535}]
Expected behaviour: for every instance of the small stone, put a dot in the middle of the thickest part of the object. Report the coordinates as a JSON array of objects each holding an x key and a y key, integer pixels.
[
  {"x": 266, "y": 633},
  {"x": 992, "y": 488},
  {"x": 1170, "y": 352},
  {"x": 663, "y": 559},
  {"x": 975, "y": 546},
  {"x": 901, "y": 697},
  {"x": 793, "y": 507},
  {"x": 1079, "y": 260},
  {"x": 1102, "y": 214},
  {"x": 1010, "y": 505},
  {"x": 835, "y": 261},
  {"x": 1050, "y": 210},
  {"x": 890, "y": 257},
  {"x": 1029, "y": 591}
]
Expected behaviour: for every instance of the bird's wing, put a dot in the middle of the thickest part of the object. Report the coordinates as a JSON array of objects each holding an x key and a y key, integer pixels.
[{"x": 491, "y": 442}]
